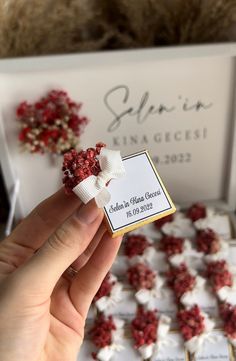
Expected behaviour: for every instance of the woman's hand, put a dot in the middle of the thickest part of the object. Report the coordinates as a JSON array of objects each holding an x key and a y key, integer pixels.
[{"x": 43, "y": 307}]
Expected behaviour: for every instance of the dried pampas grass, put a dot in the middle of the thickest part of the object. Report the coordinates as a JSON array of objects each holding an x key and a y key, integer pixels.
[{"x": 48, "y": 27}]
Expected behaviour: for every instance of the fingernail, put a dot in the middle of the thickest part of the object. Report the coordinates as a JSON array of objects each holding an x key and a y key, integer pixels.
[{"x": 88, "y": 213}]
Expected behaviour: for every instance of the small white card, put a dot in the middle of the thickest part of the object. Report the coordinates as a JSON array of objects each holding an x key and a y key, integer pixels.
[
  {"x": 220, "y": 350},
  {"x": 174, "y": 349},
  {"x": 138, "y": 198}
]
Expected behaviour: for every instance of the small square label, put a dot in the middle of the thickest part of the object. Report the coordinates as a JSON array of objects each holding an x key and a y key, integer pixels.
[{"x": 139, "y": 197}]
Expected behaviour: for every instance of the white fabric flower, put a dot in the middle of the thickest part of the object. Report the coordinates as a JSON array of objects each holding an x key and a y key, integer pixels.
[
  {"x": 217, "y": 222},
  {"x": 151, "y": 351},
  {"x": 196, "y": 343},
  {"x": 179, "y": 227},
  {"x": 106, "y": 353},
  {"x": 148, "y": 297}
]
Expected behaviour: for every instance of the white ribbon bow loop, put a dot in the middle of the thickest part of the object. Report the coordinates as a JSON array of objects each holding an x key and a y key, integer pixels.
[
  {"x": 147, "y": 297},
  {"x": 112, "y": 167},
  {"x": 152, "y": 350},
  {"x": 105, "y": 303},
  {"x": 196, "y": 343}
]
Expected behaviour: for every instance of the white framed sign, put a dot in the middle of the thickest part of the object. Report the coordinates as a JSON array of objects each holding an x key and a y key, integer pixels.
[{"x": 179, "y": 103}]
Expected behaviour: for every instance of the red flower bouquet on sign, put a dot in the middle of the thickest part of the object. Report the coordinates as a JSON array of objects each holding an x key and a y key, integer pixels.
[
  {"x": 53, "y": 124},
  {"x": 196, "y": 212},
  {"x": 135, "y": 245},
  {"x": 207, "y": 241},
  {"x": 180, "y": 280},
  {"x": 78, "y": 166},
  {"x": 141, "y": 276},
  {"x": 219, "y": 275},
  {"x": 228, "y": 315},
  {"x": 171, "y": 245},
  {"x": 144, "y": 327}
]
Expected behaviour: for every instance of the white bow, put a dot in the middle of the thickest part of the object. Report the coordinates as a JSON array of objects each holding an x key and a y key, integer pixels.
[
  {"x": 112, "y": 167},
  {"x": 179, "y": 227},
  {"x": 189, "y": 297},
  {"x": 217, "y": 222},
  {"x": 228, "y": 294},
  {"x": 106, "y": 302},
  {"x": 146, "y": 257},
  {"x": 147, "y": 297},
  {"x": 106, "y": 353},
  {"x": 196, "y": 343},
  {"x": 221, "y": 255},
  {"x": 152, "y": 350},
  {"x": 186, "y": 256}
]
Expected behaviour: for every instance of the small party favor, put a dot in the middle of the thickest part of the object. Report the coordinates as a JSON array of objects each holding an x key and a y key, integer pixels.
[
  {"x": 195, "y": 327},
  {"x": 146, "y": 282},
  {"x": 205, "y": 217},
  {"x": 185, "y": 283},
  {"x": 53, "y": 124},
  {"x": 211, "y": 245},
  {"x": 222, "y": 281},
  {"x": 178, "y": 250},
  {"x": 149, "y": 333},
  {"x": 228, "y": 315},
  {"x": 107, "y": 335},
  {"x": 109, "y": 294},
  {"x": 129, "y": 189},
  {"x": 139, "y": 249}
]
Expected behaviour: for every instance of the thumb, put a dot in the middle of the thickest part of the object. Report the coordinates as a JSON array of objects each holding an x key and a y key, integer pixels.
[{"x": 62, "y": 248}]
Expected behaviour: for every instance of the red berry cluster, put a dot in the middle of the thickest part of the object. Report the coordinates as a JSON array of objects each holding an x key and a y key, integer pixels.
[
  {"x": 171, "y": 245},
  {"x": 135, "y": 245},
  {"x": 191, "y": 322},
  {"x": 180, "y": 280},
  {"x": 144, "y": 327},
  {"x": 141, "y": 276},
  {"x": 228, "y": 315},
  {"x": 105, "y": 288},
  {"x": 219, "y": 275},
  {"x": 52, "y": 124},
  {"x": 77, "y": 166},
  {"x": 196, "y": 211},
  {"x": 207, "y": 241},
  {"x": 101, "y": 332},
  {"x": 160, "y": 222}
]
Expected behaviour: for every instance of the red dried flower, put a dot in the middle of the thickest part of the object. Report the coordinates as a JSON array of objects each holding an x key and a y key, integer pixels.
[
  {"x": 180, "y": 280},
  {"x": 171, "y": 245},
  {"x": 207, "y": 241},
  {"x": 160, "y": 222},
  {"x": 52, "y": 124},
  {"x": 105, "y": 288},
  {"x": 141, "y": 276},
  {"x": 101, "y": 332},
  {"x": 196, "y": 211},
  {"x": 144, "y": 327},
  {"x": 79, "y": 166},
  {"x": 135, "y": 245},
  {"x": 228, "y": 315},
  {"x": 219, "y": 275},
  {"x": 191, "y": 322}
]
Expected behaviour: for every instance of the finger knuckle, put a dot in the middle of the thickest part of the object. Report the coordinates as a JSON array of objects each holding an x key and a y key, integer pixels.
[{"x": 62, "y": 238}]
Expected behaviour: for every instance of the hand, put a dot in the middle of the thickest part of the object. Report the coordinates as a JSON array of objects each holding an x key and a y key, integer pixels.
[{"x": 42, "y": 308}]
